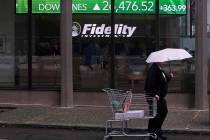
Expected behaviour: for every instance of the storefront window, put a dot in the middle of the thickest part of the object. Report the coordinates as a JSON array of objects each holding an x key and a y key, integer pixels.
[
  {"x": 14, "y": 45},
  {"x": 135, "y": 29},
  {"x": 174, "y": 34},
  {"x": 135, "y": 37},
  {"x": 46, "y": 50},
  {"x": 131, "y": 52},
  {"x": 7, "y": 43},
  {"x": 21, "y": 50},
  {"x": 91, "y": 51},
  {"x": 44, "y": 30}
]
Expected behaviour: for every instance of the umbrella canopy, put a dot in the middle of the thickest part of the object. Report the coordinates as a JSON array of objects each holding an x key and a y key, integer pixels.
[{"x": 168, "y": 54}]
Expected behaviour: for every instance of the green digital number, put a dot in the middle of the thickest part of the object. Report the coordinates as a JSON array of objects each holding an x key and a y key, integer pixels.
[
  {"x": 135, "y": 6},
  {"x": 104, "y": 6},
  {"x": 173, "y": 7}
]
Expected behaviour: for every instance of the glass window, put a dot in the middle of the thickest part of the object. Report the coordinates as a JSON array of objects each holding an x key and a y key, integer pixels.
[
  {"x": 135, "y": 38},
  {"x": 21, "y": 50},
  {"x": 14, "y": 44},
  {"x": 46, "y": 50},
  {"x": 7, "y": 44},
  {"x": 176, "y": 32},
  {"x": 91, "y": 43},
  {"x": 132, "y": 51}
]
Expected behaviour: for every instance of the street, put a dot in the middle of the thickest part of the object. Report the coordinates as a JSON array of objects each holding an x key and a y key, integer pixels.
[{"x": 71, "y": 134}]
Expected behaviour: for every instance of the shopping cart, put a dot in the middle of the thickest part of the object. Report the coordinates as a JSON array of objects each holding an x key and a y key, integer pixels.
[{"x": 127, "y": 106}]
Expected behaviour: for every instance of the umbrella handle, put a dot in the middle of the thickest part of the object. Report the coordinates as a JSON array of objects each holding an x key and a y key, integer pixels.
[{"x": 169, "y": 67}]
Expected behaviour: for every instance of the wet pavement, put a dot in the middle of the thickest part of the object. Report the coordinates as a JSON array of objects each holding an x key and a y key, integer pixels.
[
  {"x": 71, "y": 134},
  {"x": 49, "y": 123}
]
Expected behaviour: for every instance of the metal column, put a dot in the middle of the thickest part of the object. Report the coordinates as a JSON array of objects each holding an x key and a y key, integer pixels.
[
  {"x": 157, "y": 26},
  {"x": 112, "y": 47},
  {"x": 66, "y": 54},
  {"x": 201, "y": 62},
  {"x": 29, "y": 44}
]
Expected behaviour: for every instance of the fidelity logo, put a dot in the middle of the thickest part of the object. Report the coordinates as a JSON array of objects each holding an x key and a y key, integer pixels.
[
  {"x": 94, "y": 30},
  {"x": 76, "y": 29}
]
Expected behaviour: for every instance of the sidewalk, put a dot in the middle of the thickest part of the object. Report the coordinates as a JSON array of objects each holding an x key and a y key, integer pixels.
[{"x": 183, "y": 121}]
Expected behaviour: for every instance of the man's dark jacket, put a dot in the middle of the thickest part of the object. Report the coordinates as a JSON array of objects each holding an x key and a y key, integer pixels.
[{"x": 156, "y": 83}]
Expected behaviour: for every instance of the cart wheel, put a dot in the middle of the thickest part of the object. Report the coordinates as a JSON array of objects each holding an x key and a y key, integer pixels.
[{"x": 107, "y": 138}]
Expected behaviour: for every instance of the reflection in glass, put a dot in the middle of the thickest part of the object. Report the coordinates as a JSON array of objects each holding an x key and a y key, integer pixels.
[{"x": 46, "y": 51}]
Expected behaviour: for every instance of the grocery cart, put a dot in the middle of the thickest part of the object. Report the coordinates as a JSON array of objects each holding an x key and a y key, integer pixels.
[{"x": 127, "y": 106}]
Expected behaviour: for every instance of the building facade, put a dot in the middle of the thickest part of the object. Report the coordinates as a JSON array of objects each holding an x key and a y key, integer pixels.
[{"x": 55, "y": 52}]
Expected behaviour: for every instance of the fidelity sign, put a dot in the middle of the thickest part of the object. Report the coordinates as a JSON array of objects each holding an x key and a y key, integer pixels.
[{"x": 102, "y": 30}]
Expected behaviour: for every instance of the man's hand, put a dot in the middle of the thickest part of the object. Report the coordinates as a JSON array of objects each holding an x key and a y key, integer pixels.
[
  {"x": 171, "y": 74},
  {"x": 157, "y": 97}
]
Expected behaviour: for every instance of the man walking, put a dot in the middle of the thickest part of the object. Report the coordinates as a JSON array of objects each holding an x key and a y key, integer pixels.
[{"x": 156, "y": 85}]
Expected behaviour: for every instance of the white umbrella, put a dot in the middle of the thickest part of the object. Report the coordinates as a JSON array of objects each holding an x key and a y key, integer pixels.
[{"x": 168, "y": 54}]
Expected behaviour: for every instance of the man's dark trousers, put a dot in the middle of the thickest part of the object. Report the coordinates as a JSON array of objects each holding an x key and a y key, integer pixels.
[{"x": 155, "y": 123}]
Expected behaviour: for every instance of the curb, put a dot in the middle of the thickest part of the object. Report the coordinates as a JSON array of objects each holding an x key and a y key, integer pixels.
[{"x": 98, "y": 128}]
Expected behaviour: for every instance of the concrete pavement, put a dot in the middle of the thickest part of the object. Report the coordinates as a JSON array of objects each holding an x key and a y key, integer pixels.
[{"x": 179, "y": 120}]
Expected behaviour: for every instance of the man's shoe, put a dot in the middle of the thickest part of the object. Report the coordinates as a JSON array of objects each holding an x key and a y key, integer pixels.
[
  {"x": 162, "y": 137},
  {"x": 154, "y": 135}
]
